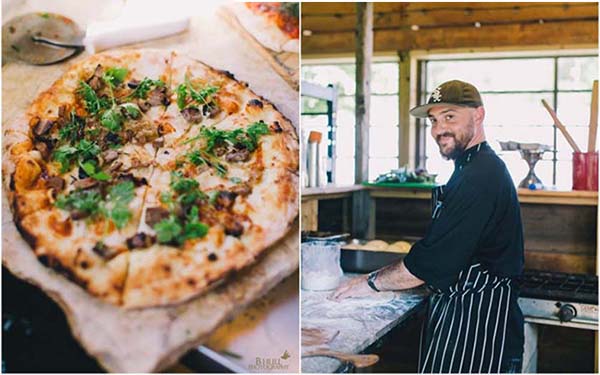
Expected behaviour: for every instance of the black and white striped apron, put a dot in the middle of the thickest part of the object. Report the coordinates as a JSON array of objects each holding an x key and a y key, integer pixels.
[{"x": 466, "y": 326}]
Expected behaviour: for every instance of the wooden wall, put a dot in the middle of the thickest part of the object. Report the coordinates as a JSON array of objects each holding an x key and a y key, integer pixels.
[
  {"x": 450, "y": 25},
  {"x": 557, "y": 237}
]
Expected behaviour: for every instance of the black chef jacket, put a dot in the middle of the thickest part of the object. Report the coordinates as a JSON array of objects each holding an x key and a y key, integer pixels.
[{"x": 470, "y": 257}]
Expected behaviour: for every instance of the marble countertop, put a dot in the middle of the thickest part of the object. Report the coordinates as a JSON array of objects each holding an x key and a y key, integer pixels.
[{"x": 360, "y": 321}]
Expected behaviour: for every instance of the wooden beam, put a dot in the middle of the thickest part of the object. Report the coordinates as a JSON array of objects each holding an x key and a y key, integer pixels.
[
  {"x": 561, "y": 33},
  {"x": 437, "y": 14},
  {"x": 404, "y": 108},
  {"x": 361, "y": 207},
  {"x": 364, "y": 53}
]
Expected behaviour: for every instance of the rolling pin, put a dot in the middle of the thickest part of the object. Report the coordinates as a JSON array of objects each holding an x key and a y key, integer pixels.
[
  {"x": 358, "y": 360},
  {"x": 561, "y": 127},
  {"x": 593, "y": 119}
]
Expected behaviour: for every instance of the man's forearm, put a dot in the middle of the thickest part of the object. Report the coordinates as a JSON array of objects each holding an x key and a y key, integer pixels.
[{"x": 396, "y": 277}]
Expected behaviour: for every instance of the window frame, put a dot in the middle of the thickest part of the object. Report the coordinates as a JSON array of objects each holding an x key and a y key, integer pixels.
[
  {"x": 382, "y": 59},
  {"x": 422, "y": 93}
]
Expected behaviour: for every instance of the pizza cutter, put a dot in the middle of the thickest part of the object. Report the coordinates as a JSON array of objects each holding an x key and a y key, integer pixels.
[
  {"x": 41, "y": 38},
  {"x": 48, "y": 38}
]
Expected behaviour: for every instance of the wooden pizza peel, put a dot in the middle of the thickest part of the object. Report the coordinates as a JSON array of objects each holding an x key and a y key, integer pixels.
[{"x": 152, "y": 339}]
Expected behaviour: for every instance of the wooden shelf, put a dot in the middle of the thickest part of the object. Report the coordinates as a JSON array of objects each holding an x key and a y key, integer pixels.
[
  {"x": 576, "y": 198},
  {"x": 329, "y": 192}
]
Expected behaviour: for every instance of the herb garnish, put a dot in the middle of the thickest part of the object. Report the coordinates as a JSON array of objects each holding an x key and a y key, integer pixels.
[
  {"x": 176, "y": 229},
  {"x": 202, "y": 96},
  {"x": 141, "y": 91},
  {"x": 89, "y": 203},
  {"x": 93, "y": 103},
  {"x": 72, "y": 130},
  {"x": 114, "y": 76},
  {"x": 83, "y": 151}
]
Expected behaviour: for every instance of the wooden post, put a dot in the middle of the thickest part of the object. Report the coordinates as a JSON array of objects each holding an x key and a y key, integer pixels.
[
  {"x": 364, "y": 53},
  {"x": 361, "y": 211},
  {"x": 404, "y": 103}
]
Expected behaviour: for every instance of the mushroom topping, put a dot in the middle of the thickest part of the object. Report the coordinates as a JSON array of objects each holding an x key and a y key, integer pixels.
[
  {"x": 85, "y": 183},
  {"x": 56, "y": 183},
  {"x": 43, "y": 148},
  {"x": 155, "y": 215},
  {"x": 104, "y": 251},
  {"x": 95, "y": 81},
  {"x": 238, "y": 155},
  {"x": 42, "y": 127},
  {"x": 110, "y": 156},
  {"x": 137, "y": 181},
  {"x": 158, "y": 96},
  {"x": 140, "y": 241},
  {"x": 134, "y": 83},
  {"x": 191, "y": 114},
  {"x": 225, "y": 200}
]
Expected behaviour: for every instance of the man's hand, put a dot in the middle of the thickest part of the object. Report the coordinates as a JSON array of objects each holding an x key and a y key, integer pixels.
[{"x": 353, "y": 288}]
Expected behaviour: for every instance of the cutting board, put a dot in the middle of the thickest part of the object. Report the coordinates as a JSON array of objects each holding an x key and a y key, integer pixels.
[{"x": 152, "y": 339}]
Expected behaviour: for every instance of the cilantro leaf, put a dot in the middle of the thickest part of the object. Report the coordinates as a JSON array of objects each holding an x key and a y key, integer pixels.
[
  {"x": 141, "y": 91},
  {"x": 114, "y": 76},
  {"x": 120, "y": 215},
  {"x": 254, "y": 131},
  {"x": 194, "y": 230},
  {"x": 87, "y": 149},
  {"x": 122, "y": 192},
  {"x": 181, "y": 184},
  {"x": 93, "y": 103},
  {"x": 118, "y": 198},
  {"x": 88, "y": 202},
  {"x": 181, "y": 92},
  {"x": 112, "y": 120},
  {"x": 132, "y": 110},
  {"x": 71, "y": 131},
  {"x": 90, "y": 168},
  {"x": 65, "y": 155},
  {"x": 168, "y": 230}
]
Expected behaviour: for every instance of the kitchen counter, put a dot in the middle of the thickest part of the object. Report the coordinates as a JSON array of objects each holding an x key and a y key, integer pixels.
[{"x": 360, "y": 321}]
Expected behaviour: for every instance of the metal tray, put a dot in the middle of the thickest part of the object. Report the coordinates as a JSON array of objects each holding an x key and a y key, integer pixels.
[{"x": 362, "y": 261}]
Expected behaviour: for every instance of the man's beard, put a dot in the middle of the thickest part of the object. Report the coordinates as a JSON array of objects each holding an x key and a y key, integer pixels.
[{"x": 460, "y": 142}]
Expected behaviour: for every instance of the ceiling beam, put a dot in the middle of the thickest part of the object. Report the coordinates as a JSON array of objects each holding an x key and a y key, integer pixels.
[{"x": 505, "y": 35}]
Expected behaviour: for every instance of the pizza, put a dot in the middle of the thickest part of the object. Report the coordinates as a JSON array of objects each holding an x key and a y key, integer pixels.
[
  {"x": 275, "y": 25},
  {"x": 147, "y": 177}
]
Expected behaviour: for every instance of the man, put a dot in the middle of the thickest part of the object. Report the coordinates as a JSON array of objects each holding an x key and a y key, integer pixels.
[{"x": 472, "y": 252}]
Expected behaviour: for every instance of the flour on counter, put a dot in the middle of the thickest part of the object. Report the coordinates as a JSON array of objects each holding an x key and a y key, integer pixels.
[{"x": 319, "y": 281}]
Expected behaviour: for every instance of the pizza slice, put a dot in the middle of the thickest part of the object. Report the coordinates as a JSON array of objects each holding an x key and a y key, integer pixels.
[{"x": 274, "y": 24}]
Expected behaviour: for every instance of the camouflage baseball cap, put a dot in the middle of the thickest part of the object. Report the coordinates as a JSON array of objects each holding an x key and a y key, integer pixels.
[{"x": 452, "y": 92}]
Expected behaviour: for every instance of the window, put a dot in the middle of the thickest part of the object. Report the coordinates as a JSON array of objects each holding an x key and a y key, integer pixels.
[
  {"x": 512, "y": 90},
  {"x": 384, "y": 131}
]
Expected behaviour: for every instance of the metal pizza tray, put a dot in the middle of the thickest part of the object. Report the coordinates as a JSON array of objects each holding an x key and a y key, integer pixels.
[{"x": 368, "y": 260}]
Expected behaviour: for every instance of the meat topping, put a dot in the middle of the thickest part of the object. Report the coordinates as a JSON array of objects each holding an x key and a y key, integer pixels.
[
  {"x": 42, "y": 127},
  {"x": 140, "y": 241},
  {"x": 155, "y": 215},
  {"x": 158, "y": 96},
  {"x": 191, "y": 114}
]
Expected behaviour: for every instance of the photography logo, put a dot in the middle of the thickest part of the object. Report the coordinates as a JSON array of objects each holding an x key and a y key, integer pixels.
[{"x": 274, "y": 364}]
